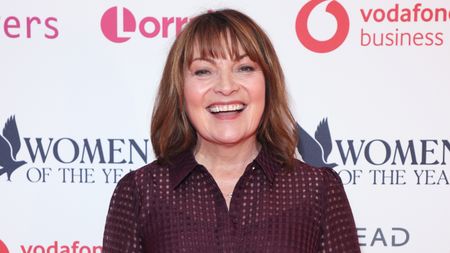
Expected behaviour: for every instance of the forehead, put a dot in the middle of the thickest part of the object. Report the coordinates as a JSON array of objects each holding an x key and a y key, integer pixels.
[
  {"x": 215, "y": 44},
  {"x": 224, "y": 51}
]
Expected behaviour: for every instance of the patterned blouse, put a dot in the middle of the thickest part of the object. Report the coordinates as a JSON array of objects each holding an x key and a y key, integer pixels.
[{"x": 179, "y": 208}]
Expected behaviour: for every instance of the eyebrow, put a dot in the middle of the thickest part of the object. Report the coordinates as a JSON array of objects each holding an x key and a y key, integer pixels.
[{"x": 211, "y": 60}]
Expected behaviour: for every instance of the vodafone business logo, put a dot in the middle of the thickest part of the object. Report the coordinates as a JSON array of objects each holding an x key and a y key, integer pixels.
[
  {"x": 119, "y": 24},
  {"x": 409, "y": 24},
  {"x": 322, "y": 46}
]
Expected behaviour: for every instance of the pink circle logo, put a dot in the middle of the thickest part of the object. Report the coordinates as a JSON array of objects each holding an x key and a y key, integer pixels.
[
  {"x": 3, "y": 248},
  {"x": 116, "y": 30},
  {"x": 343, "y": 24}
]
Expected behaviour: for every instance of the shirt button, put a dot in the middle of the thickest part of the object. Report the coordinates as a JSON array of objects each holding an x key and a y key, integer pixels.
[{"x": 235, "y": 220}]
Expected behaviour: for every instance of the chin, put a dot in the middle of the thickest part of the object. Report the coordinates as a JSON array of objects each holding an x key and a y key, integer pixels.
[{"x": 230, "y": 139}]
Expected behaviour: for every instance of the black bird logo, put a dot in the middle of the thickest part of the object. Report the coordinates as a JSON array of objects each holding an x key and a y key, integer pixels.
[
  {"x": 9, "y": 146},
  {"x": 316, "y": 151}
]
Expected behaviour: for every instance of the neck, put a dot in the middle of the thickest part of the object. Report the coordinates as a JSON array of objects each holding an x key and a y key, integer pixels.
[{"x": 226, "y": 159}]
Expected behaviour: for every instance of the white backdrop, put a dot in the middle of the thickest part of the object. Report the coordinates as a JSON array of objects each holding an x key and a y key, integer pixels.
[{"x": 82, "y": 105}]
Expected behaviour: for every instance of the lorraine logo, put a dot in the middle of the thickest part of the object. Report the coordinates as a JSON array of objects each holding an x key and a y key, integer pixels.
[
  {"x": 3, "y": 248},
  {"x": 9, "y": 146},
  {"x": 119, "y": 24},
  {"x": 111, "y": 27},
  {"x": 343, "y": 24},
  {"x": 315, "y": 151}
]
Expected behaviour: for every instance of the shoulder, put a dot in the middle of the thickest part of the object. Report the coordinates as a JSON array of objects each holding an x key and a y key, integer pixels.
[
  {"x": 142, "y": 177},
  {"x": 322, "y": 175},
  {"x": 323, "y": 185},
  {"x": 313, "y": 176}
]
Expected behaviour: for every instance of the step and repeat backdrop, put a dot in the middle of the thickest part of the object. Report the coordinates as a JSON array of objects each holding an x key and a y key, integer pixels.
[{"x": 78, "y": 80}]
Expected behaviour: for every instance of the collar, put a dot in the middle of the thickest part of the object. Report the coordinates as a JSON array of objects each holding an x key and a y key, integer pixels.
[{"x": 184, "y": 163}]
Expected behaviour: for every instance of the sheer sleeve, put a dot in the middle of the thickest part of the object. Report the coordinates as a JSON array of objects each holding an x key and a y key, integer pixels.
[
  {"x": 338, "y": 226},
  {"x": 122, "y": 233}
]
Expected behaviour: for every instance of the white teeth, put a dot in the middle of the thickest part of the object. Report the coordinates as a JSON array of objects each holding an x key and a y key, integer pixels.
[{"x": 225, "y": 108}]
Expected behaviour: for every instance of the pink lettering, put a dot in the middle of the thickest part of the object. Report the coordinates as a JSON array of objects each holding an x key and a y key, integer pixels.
[
  {"x": 179, "y": 24},
  {"x": 143, "y": 25},
  {"x": 75, "y": 247},
  {"x": 166, "y": 23},
  {"x": 85, "y": 249},
  {"x": 26, "y": 250},
  {"x": 378, "y": 15},
  {"x": 52, "y": 27},
  {"x": 39, "y": 247},
  {"x": 30, "y": 21},
  {"x": 366, "y": 16},
  {"x": 28, "y": 27},
  {"x": 11, "y": 23}
]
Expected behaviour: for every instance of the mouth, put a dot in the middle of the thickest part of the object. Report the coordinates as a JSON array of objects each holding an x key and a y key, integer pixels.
[{"x": 226, "y": 108}]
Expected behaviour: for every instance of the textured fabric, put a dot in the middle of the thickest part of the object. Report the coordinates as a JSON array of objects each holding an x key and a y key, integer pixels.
[{"x": 180, "y": 208}]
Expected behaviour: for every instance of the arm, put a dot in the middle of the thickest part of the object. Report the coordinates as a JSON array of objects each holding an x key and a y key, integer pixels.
[
  {"x": 122, "y": 233},
  {"x": 338, "y": 226}
]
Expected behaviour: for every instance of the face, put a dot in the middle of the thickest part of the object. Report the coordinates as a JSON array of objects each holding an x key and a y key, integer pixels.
[{"x": 225, "y": 98}]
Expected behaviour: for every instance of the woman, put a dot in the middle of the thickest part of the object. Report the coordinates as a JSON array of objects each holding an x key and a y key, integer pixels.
[{"x": 226, "y": 179}]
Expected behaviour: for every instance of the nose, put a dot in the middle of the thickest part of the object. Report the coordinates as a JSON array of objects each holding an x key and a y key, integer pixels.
[{"x": 226, "y": 84}]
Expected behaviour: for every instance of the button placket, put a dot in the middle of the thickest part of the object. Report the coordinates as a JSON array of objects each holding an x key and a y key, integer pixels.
[
  {"x": 236, "y": 207},
  {"x": 222, "y": 214}
]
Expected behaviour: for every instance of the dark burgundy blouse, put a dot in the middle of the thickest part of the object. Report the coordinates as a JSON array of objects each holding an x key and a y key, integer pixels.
[{"x": 181, "y": 209}]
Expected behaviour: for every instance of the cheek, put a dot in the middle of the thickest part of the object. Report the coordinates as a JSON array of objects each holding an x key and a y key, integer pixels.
[
  {"x": 258, "y": 93},
  {"x": 191, "y": 99},
  {"x": 193, "y": 102},
  {"x": 190, "y": 93},
  {"x": 260, "y": 96},
  {"x": 195, "y": 91}
]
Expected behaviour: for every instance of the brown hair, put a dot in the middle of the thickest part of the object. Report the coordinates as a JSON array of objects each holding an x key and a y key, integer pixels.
[{"x": 171, "y": 130}]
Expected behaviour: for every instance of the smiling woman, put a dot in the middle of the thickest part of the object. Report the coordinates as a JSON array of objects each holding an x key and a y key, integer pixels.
[
  {"x": 224, "y": 100},
  {"x": 226, "y": 178},
  {"x": 209, "y": 46}
]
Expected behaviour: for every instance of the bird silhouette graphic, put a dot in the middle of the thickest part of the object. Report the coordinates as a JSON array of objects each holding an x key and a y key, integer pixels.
[
  {"x": 9, "y": 146},
  {"x": 315, "y": 151}
]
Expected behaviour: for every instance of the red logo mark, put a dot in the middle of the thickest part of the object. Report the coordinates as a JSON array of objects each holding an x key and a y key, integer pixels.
[
  {"x": 334, "y": 8},
  {"x": 3, "y": 248},
  {"x": 111, "y": 26}
]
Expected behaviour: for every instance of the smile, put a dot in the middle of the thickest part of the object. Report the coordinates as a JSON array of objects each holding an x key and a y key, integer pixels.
[{"x": 226, "y": 108}]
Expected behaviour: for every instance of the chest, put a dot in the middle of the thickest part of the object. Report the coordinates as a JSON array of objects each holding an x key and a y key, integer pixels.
[{"x": 263, "y": 216}]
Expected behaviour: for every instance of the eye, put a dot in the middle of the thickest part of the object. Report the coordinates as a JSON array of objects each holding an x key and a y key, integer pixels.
[
  {"x": 202, "y": 72},
  {"x": 246, "y": 68}
]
